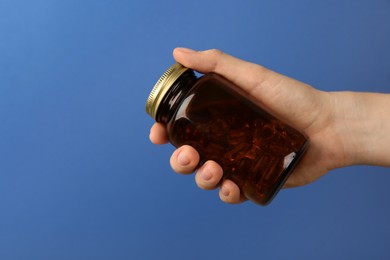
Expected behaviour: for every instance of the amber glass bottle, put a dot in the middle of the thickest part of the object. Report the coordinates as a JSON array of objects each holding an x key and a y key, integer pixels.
[{"x": 223, "y": 123}]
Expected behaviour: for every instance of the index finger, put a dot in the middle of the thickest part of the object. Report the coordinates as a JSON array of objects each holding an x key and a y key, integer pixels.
[{"x": 158, "y": 134}]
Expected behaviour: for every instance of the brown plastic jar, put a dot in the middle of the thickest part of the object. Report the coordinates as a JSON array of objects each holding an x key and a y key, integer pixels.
[{"x": 223, "y": 123}]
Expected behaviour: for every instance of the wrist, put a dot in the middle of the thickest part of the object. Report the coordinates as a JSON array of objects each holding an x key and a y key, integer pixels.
[{"x": 361, "y": 122}]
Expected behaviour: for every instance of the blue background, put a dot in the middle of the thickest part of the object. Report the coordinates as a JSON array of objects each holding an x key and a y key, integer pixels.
[{"x": 79, "y": 178}]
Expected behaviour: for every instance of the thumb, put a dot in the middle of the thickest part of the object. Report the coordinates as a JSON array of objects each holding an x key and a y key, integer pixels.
[
  {"x": 231, "y": 68},
  {"x": 284, "y": 97}
]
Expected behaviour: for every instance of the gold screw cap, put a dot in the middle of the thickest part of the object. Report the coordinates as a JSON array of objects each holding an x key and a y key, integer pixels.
[{"x": 162, "y": 86}]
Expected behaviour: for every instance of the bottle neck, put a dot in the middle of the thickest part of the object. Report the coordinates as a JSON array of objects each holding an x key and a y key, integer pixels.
[{"x": 175, "y": 95}]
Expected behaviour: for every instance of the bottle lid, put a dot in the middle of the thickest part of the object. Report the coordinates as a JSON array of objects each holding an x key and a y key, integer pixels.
[{"x": 162, "y": 86}]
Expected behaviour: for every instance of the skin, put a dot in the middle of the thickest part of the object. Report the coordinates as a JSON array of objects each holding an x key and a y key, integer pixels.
[{"x": 344, "y": 128}]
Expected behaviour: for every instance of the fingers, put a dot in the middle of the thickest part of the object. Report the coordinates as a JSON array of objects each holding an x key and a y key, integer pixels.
[
  {"x": 184, "y": 159},
  {"x": 158, "y": 134},
  {"x": 209, "y": 175},
  {"x": 230, "y": 193}
]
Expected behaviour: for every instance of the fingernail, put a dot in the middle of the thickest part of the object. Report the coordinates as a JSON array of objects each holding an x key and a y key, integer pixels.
[
  {"x": 183, "y": 159},
  {"x": 187, "y": 50},
  {"x": 225, "y": 192},
  {"x": 206, "y": 175}
]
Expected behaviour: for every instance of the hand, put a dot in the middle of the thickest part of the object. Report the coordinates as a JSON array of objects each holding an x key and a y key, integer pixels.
[{"x": 320, "y": 115}]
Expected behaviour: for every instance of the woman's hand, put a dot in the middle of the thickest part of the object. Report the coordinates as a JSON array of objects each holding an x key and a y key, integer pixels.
[{"x": 324, "y": 117}]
